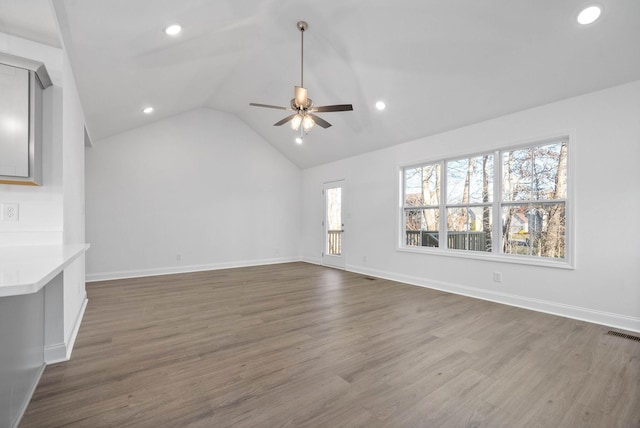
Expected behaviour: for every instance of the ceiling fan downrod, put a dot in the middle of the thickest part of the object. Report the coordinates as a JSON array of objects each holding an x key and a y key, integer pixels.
[{"x": 302, "y": 26}]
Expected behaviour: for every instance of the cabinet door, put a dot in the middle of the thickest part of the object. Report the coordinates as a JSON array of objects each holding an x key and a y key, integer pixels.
[{"x": 14, "y": 121}]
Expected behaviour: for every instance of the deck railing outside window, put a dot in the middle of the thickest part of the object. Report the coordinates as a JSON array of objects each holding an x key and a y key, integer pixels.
[
  {"x": 475, "y": 241},
  {"x": 335, "y": 242}
]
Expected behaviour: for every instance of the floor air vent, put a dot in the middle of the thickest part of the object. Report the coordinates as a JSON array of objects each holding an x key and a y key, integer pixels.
[
  {"x": 369, "y": 279},
  {"x": 623, "y": 335}
]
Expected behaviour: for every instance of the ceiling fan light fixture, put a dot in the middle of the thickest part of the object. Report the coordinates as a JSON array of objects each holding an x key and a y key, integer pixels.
[
  {"x": 298, "y": 140},
  {"x": 296, "y": 121},
  {"x": 301, "y": 105},
  {"x": 307, "y": 123}
]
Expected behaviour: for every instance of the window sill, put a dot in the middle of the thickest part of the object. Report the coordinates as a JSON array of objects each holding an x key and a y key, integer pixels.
[{"x": 490, "y": 257}]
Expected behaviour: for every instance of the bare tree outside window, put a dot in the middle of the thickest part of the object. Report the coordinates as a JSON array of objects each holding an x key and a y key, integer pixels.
[
  {"x": 534, "y": 201},
  {"x": 422, "y": 212},
  {"x": 334, "y": 221},
  {"x": 469, "y": 200},
  {"x": 457, "y": 196}
]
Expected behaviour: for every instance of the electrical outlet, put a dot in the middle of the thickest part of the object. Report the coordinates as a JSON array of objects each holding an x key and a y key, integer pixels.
[
  {"x": 497, "y": 277},
  {"x": 10, "y": 212},
  {"x": 179, "y": 256}
]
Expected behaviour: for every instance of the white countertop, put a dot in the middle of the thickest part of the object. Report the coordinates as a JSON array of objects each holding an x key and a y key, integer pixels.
[{"x": 26, "y": 269}]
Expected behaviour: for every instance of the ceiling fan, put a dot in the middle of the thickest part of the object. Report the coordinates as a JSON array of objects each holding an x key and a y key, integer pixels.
[{"x": 302, "y": 105}]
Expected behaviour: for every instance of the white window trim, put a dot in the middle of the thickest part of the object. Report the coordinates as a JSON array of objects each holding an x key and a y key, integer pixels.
[{"x": 496, "y": 256}]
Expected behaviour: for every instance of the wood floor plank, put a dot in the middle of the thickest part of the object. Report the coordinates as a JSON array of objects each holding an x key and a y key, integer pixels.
[{"x": 300, "y": 345}]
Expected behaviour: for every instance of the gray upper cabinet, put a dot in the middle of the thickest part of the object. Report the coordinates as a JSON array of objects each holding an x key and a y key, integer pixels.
[
  {"x": 22, "y": 82},
  {"x": 14, "y": 129}
]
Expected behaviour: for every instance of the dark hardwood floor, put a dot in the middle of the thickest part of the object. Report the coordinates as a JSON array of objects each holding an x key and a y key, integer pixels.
[{"x": 300, "y": 345}]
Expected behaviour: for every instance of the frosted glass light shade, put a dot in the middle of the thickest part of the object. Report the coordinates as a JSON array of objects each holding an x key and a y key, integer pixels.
[
  {"x": 307, "y": 123},
  {"x": 295, "y": 122}
]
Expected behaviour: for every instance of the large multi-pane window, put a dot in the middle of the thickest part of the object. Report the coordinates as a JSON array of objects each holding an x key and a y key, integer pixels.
[{"x": 511, "y": 201}]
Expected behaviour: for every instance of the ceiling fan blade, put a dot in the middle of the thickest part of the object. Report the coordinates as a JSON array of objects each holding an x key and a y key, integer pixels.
[
  {"x": 269, "y": 106},
  {"x": 285, "y": 120},
  {"x": 337, "y": 107},
  {"x": 320, "y": 121},
  {"x": 301, "y": 96}
]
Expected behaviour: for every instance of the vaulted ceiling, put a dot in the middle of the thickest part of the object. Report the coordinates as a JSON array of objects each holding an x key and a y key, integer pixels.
[{"x": 438, "y": 65}]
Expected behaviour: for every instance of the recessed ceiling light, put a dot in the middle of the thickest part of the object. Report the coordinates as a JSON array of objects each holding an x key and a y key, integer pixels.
[
  {"x": 172, "y": 30},
  {"x": 148, "y": 110},
  {"x": 589, "y": 15},
  {"x": 299, "y": 140},
  {"x": 380, "y": 105}
]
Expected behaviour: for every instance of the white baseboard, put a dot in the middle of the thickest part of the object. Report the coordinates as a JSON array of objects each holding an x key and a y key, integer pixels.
[
  {"x": 55, "y": 353},
  {"x": 71, "y": 340},
  {"x": 575, "y": 312},
  {"x": 568, "y": 311},
  {"x": 61, "y": 352},
  {"x": 108, "y": 276},
  {"x": 32, "y": 390},
  {"x": 312, "y": 261}
]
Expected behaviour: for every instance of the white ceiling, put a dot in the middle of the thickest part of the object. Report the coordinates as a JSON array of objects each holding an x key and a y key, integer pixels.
[
  {"x": 438, "y": 65},
  {"x": 30, "y": 19}
]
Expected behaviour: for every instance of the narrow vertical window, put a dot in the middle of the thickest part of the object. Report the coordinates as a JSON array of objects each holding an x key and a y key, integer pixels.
[
  {"x": 422, "y": 205},
  {"x": 469, "y": 203}
]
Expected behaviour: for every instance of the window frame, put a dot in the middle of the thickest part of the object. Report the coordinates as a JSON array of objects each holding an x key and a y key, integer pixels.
[{"x": 496, "y": 254}]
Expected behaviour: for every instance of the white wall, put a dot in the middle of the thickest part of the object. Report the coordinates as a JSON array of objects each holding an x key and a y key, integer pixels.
[
  {"x": 75, "y": 295},
  {"x": 604, "y": 287},
  {"x": 40, "y": 207},
  {"x": 201, "y": 184}
]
